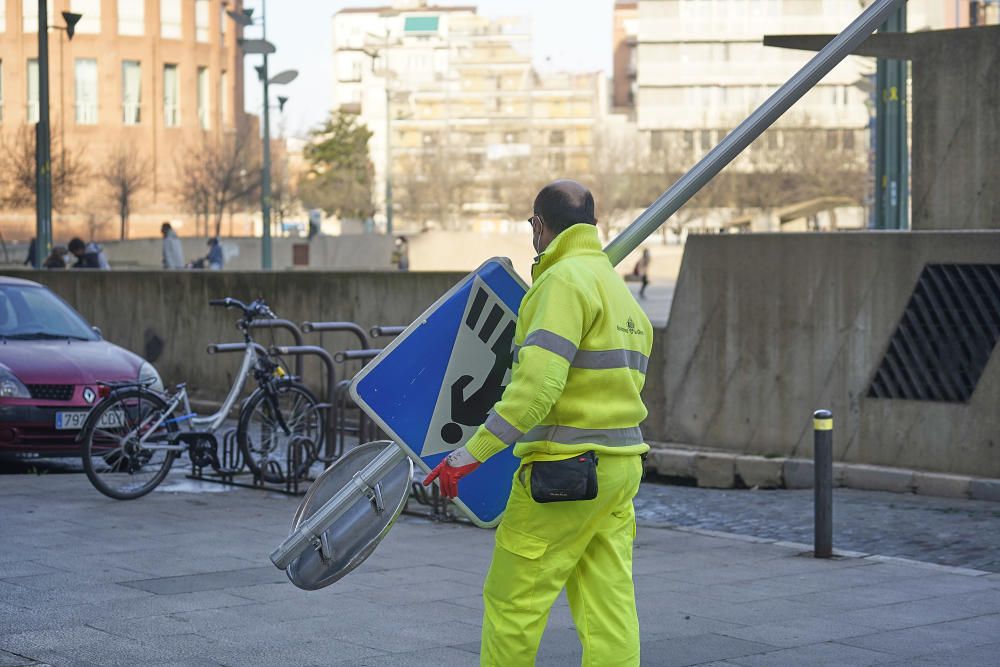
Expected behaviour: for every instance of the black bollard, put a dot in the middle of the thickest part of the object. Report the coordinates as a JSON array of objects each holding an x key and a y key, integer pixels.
[{"x": 823, "y": 471}]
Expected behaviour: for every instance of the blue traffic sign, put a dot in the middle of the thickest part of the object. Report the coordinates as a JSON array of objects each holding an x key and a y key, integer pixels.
[{"x": 435, "y": 384}]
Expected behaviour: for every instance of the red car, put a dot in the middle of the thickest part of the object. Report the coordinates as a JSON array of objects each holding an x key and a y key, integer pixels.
[{"x": 50, "y": 362}]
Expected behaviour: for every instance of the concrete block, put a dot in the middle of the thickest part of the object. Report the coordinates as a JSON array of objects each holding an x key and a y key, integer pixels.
[
  {"x": 672, "y": 462},
  {"x": 798, "y": 474},
  {"x": 878, "y": 478},
  {"x": 839, "y": 470},
  {"x": 985, "y": 489},
  {"x": 757, "y": 471},
  {"x": 938, "y": 484},
  {"x": 715, "y": 471}
]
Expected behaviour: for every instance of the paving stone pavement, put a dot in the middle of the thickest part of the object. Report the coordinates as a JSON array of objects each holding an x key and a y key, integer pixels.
[
  {"x": 182, "y": 578},
  {"x": 948, "y": 531}
]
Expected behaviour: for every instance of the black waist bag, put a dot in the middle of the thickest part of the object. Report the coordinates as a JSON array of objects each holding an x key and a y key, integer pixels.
[{"x": 574, "y": 478}]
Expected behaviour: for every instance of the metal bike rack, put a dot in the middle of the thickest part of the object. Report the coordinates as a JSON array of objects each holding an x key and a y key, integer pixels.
[
  {"x": 346, "y": 327},
  {"x": 288, "y": 326},
  {"x": 338, "y": 391},
  {"x": 332, "y": 448},
  {"x": 342, "y": 396},
  {"x": 386, "y": 331}
]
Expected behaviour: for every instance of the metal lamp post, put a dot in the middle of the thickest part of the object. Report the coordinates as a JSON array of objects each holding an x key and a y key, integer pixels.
[
  {"x": 43, "y": 132},
  {"x": 264, "y": 48},
  {"x": 373, "y": 53}
]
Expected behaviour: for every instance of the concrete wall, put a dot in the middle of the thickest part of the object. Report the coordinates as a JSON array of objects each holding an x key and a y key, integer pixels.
[
  {"x": 464, "y": 251},
  {"x": 766, "y": 328},
  {"x": 956, "y": 129},
  {"x": 132, "y": 306},
  {"x": 348, "y": 252}
]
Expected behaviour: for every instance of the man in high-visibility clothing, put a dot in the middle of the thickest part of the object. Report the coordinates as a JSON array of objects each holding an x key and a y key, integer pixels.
[{"x": 582, "y": 346}]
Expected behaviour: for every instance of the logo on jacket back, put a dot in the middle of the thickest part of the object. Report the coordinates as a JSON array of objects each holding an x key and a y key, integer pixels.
[{"x": 631, "y": 329}]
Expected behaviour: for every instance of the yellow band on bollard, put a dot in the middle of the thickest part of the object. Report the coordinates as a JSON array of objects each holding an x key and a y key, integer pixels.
[{"x": 822, "y": 424}]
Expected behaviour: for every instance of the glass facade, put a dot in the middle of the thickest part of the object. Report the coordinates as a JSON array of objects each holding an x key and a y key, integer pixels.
[
  {"x": 131, "y": 17},
  {"x": 90, "y": 23},
  {"x": 171, "y": 96},
  {"x": 131, "y": 92},
  {"x": 85, "y": 76},
  {"x": 32, "y": 110},
  {"x": 204, "y": 96},
  {"x": 170, "y": 19}
]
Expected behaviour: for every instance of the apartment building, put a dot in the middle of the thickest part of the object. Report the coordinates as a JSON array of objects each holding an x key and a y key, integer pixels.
[
  {"x": 151, "y": 75},
  {"x": 467, "y": 112},
  {"x": 624, "y": 51}
]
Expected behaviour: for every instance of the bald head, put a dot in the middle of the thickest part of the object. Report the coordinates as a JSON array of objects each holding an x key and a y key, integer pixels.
[{"x": 564, "y": 203}]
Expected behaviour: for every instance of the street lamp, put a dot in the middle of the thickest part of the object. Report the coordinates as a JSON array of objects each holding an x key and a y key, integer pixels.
[
  {"x": 262, "y": 47},
  {"x": 373, "y": 53}
]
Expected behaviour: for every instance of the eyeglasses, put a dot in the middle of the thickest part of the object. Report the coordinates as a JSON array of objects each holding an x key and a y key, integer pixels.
[{"x": 531, "y": 220}]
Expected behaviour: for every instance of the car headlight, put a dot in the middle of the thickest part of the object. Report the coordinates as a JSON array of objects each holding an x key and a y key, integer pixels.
[
  {"x": 11, "y": 387},
  {"x": 148, "y": 375}
]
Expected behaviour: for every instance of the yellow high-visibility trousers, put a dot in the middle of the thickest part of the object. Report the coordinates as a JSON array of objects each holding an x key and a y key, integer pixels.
[{"x": 584, "y": 545}]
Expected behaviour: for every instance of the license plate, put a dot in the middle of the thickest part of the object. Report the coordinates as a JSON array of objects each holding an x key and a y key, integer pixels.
[{"x": 69, "y": 421}]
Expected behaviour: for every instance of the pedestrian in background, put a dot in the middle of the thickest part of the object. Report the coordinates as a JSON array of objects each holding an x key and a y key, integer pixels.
[
  {"x": 582, "y": 346},
  {"x": 215, "y": 259},
  {"x": 173, "y": 253},
  {"x": 57, "y": 258},
  {"x": 641, "y": 272},
  {"x": 402, "y": 254},
  {"x": 88, "y": 255},
  {"x": 31, "y": 255}
]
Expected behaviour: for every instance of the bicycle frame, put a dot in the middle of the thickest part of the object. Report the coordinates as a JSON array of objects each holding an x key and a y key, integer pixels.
[
  {"x": 209, "y": 422},
  {"x": 214, "y": 421}
]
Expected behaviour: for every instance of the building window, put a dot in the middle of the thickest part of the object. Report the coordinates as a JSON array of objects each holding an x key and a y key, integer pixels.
[
  {"x": 848, "y": 140},
  {"x": 170, "y": 19},
  {"x": 201, "y": 31},
  {"x": 832, "y": 139},
  {"x": 86, "y": 91},
  {"x": 90, "y": 24},
  {"x": 3, "y": 16},
  {"x": 131, "y": 92},
  {"x": 171, "y": 96},
  {"x": 32, "y": 110},
  {"x": 29, "y": 14},
  {"x": 132, "y": 17},
  {"x": 204, "y": 114},
  {"x": 706, "y": 140},
  {"x": 223, "y": 20},
  {"x": 557, "y": 137},
  {"x": 223, "y": 98}
]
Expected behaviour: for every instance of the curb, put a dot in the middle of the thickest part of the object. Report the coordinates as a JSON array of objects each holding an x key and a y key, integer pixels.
[{"x": 726, "y": 470}]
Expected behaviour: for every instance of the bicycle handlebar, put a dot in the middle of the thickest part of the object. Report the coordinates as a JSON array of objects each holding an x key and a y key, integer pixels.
[{"x": 256, "y": 308}]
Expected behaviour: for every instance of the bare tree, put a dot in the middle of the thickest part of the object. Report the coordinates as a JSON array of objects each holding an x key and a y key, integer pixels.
[
  {"x": 17, "y": 163},
  {"x": 125, "y": 174},
  {"x": 433, "y": 187},
  {"x": 218, "y": 174}
]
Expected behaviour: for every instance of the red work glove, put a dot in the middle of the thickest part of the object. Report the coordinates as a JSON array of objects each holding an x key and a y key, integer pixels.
[{"x": 454, "y": 467}]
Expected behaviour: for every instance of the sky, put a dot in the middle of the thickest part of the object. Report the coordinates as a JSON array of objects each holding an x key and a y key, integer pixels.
[{"x": 302, "y": 32}]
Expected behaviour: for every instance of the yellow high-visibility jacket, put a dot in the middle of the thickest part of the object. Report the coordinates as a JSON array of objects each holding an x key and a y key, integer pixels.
[{"x": 582, "y": 345}]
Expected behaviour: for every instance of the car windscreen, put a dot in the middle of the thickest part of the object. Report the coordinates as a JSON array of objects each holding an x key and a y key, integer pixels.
[{"x": 34, "y": 313}]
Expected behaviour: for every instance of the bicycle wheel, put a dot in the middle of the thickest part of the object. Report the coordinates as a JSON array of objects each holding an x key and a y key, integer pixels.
[
  {"x": 263, "y": 439},
  {"x": 121, "y": 456}
]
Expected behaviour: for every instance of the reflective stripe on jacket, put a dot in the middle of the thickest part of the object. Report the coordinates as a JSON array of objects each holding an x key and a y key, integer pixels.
[{"x": 582, "y": 347}]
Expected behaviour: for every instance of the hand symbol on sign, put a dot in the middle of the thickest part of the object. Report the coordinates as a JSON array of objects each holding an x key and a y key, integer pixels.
[{"x": 472, "y": 410}]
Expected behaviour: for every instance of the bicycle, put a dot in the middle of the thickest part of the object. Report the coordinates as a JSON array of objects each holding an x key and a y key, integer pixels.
[{"x": 132, "y": 436}]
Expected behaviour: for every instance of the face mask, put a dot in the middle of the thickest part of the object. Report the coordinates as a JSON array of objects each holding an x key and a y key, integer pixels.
[
  {"x": 67, "y": 258},
  {"x": 536, "y": 240}
]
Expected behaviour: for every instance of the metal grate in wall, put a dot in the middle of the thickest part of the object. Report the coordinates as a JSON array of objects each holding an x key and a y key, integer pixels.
[{"x": 946, "y": 335}]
